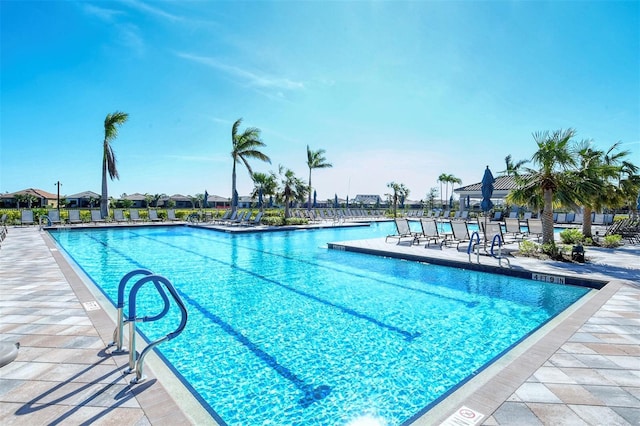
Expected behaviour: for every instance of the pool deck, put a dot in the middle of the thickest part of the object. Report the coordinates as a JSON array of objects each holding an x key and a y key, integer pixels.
[{"x": 583, "y": 368}]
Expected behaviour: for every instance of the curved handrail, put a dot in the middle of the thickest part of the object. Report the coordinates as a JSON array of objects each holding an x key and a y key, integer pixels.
[
  {"x": 157, "y": 280},
  {"x": 499, "y": 256},
  {"x": 471, "y": 246},
  {"x": 118, "y": 332}
]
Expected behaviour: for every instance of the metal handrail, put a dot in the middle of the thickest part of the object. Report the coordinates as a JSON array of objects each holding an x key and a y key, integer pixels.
[
  {"x": 472, "y": 246},
  {"x": 121, "y": 320},
  {"x": 499, "y": 256},
  {"x": 157, "y": 280}
]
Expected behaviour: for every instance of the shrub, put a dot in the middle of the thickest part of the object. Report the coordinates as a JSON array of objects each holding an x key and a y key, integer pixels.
[
  {"x": 611, "y": 241},
  {"x": 528, "y": 248},
  {"x": 273, "y": 220},
  {"x": 553, "y": 251},
  {"x": 571, "y": 236},
  {"x": 296, "y": 221}
]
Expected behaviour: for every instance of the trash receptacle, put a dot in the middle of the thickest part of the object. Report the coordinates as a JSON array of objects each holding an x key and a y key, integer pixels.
[{"x": 577, "y": 253}]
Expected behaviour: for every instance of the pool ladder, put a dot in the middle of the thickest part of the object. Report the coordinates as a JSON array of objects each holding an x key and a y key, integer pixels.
[
  {"x": 496, "y": 241},
  {"x": 162, "y": 285}
]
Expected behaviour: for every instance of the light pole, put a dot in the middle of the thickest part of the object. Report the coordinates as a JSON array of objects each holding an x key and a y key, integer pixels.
[{"x": 58, "y": 184}]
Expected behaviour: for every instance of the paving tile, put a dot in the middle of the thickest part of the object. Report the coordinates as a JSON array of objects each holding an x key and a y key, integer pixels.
[
  {"x": 613, "y": 396},
  {"x": 516, "y": 413},
  {"x": 552, "y": 375},
  {"x": 536, "y": 392},
  {"x": 630, "y": 414},
  {"x": 598, "y": 415},
  {"x": 565, "y": 360},
  {"x": 573, "y": 394},
  {"x": 586, "y": 376},
  {"x": 621, "y": 377},
  {"x": 595, "y": 361},
  {"x": 556, "y": 414}
]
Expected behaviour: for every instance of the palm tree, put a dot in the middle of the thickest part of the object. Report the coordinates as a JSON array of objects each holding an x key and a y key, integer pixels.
[
  {"x": 512, "y": 168},
  {"x": 399, "y": 191},
  {"x": 315, "y": 160},
  {"x": 267, "y": 183},
  {"x": 291, "y": 188},
  {"x": 453, "y": 180},
  {"x": 553, "y": 158},
  {"x": 111, "y": 123},
  {"x": 442, "y": 178},
  {"x": 244, "y": 145}
]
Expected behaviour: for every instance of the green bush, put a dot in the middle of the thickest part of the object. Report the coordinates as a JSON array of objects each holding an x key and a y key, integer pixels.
[
  {"x": 528, "y": 248},
  {"x": 272, "y": 220},
  {"x": 553, "y": 251},
  {"x": 296, "y": 221},
  {"x": 571, "y": 236},
  {"x": 611, "y": 241}
]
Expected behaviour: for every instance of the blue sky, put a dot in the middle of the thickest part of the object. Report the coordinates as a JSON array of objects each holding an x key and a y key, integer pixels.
[{"x": 393, "y": 91}]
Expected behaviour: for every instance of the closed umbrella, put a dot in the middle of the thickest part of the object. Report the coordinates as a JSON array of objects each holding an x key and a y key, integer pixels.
[
  {"x": 487, "y": 192},
  {"x": 347, "y": 201},
  {"x": 234, "y": 201},
  {"x": 205, "y": 201},
  {"x": 335, "y": 201},
  {"x": 314, "y": 199}
]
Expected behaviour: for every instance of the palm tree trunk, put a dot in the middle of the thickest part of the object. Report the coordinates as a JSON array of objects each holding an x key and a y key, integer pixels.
[
  {"x": 233, "y": 188},
  {"x": 104, "y": 202},
  {"x": 586, "y": 222},
  {"x": 309, "y": 204},
  {"x": 547, "y": 217}
]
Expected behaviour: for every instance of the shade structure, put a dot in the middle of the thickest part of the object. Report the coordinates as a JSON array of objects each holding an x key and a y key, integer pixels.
[
  {"x": 314, "y": 199},
  {"x": 205, "y": 201},
  {"x": 487, "y": 190}
]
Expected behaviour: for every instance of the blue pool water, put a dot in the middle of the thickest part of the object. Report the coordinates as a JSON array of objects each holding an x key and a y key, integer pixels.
[{"x": 282, "y": 330}]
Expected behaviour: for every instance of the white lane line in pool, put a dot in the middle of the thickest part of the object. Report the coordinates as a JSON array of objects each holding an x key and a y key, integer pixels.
[
  {"x": 91, "y": 306},
  {"x": 464, "y": 416}
]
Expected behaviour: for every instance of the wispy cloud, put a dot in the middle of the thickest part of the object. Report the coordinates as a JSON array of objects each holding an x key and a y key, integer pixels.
[
  {"x": 101, "y": 12},
  {"x": 146, "y": 8},
  {"x": 250, "y": 78},
  {"x": 197, "y": 158}
]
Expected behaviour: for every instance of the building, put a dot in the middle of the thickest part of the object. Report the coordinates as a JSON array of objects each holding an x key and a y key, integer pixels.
[{"x": 29, "y": 198}]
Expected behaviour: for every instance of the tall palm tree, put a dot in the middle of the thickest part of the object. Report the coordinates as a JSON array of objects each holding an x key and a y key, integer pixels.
[
  {"x": 442, "y": 178},
  {"x": 267, "y": 183},
  {"x": 315, "y": 160},
  {"x": 399, "y": 191},
  {"x": 111, "y": 123},
  {"x": 291, "y": 188},
  {"x": 553, "y": 159},
  {"x": 512, "y": 169},
  {"x": 453, "y": 180},
  {"x": 244, "y": 145}
]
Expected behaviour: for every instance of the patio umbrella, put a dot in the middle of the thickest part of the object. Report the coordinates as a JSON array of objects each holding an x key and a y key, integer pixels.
[
  {"x": 335, "y": 201},
  {"x": 270, "y": 201},
  {"x": 402, "y": 201},
  {"x": 487, "y": 192},
  {"x": 205, "y": 202},
  {"x": 347, "y": 201},
  {"x": 451, "y": 202},
  {"x": 314, "y": 198}
]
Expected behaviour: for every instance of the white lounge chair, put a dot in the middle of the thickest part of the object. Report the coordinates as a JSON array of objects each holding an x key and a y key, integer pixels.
[
  {"x": 134, "y": 215},
  {"x": 402, "y": 231}
]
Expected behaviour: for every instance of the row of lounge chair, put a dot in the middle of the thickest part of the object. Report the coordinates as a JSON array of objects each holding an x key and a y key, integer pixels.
[
  {"x": 628, "y": 229},
  {"x": 53, "y": 217},
  {"x": 237, "y": 218},
  {"x": 431, "y": 232}
]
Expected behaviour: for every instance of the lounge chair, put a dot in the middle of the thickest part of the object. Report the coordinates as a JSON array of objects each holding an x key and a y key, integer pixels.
[
  {"x": 578, "y": 218},
  {"x": 118, "y": 216},
  {"x": 153, "y": 216},
  {"x": 512, "y": 228},
  {"x": 402, "y": 231},
  {"x": 255, "y": 221},
  {"x": 74, "y": 217},
  {"x": 561, "y": 218},
  {"x": 53, "y": 217},
  {"x": 26, "y": 217},
  {"x": 96, "y": 216},
  {"x": 171, "y": 215},
  {"x": 497, "y": 215},
  {"x": 134, "y": 215},
  {"x": 459, "y": 234},
  {"x": 513, "y": 215},
  {"x": 430, "y": 232},
  {"x": 534, "y": 227}
]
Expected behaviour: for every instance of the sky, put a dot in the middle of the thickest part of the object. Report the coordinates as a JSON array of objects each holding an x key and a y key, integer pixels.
[{"x": 393, "y": 91}]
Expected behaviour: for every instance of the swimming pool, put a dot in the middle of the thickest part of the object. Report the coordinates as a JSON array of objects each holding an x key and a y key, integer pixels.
[{"x": 284, "y": 331}]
